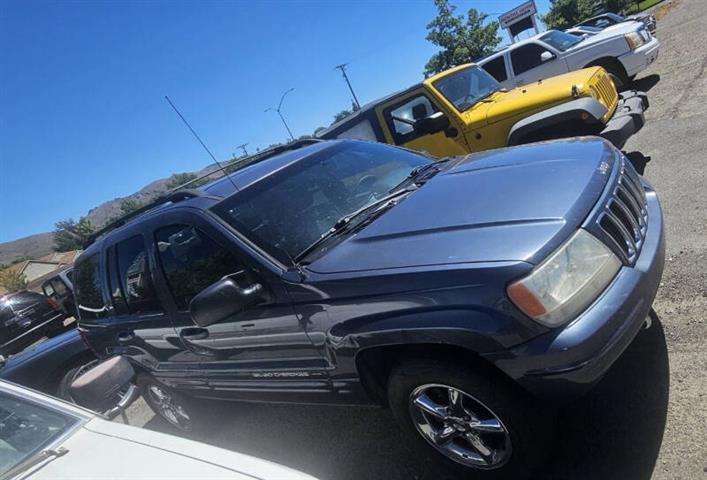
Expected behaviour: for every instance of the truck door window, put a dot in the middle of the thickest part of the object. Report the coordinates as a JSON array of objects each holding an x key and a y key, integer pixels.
[
  {"x": 527, "y": 57},
  {"x": 360, "y": 130},
  {"x": 87, "y": 282},
  {"x": 401, "y": 116},
  {"x": 191, "y": 261},
  {"x": 135, "y": 279},
  {"x": 497, "y": 68}
]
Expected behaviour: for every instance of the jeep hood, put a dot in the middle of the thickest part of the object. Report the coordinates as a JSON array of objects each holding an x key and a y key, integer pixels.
[
  {"x": 512, "y": 204},
  {"x": 529, "y": 99}
]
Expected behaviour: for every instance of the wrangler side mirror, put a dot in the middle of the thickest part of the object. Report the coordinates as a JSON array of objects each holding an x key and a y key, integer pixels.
[
  {"x": 223, "y": 299},
  {"x": 430, "y": 124}
]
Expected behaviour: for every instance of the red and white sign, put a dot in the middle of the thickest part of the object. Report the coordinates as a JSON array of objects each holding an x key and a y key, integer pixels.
[{"x": 522, "y": 11}]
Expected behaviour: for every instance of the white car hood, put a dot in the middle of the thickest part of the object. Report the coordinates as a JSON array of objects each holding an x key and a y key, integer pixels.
[
  {"x": 610, "y": 32},
  {"x": 103, "y": 450}
]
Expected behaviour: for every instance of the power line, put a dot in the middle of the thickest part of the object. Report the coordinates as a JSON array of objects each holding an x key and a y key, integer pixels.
[{"x": 242, "y": 147}]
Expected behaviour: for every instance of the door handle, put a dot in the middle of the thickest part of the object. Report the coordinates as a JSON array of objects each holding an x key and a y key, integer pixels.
[
  {"x": 194, "y": 333},
  {"x": 125, "y": 336}
]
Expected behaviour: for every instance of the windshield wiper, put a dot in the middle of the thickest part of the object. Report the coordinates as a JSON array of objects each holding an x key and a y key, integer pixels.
[{"x": 341, "y": 223}]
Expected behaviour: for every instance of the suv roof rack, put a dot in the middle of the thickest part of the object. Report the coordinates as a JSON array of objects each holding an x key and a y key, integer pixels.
[{"x": 172, "y": 196}]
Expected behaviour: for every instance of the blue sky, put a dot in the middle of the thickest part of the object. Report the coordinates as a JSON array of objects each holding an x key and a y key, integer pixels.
[{"x": 82, "y": 112}]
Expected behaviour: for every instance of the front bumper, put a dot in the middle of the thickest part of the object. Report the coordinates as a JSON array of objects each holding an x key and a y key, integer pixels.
[
  {"x": 566, "y": 362},
  {"x": 628, "y": 117}
]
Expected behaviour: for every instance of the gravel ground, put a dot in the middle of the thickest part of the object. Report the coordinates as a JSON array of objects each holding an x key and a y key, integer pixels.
[{"x": 648, "y": 417}]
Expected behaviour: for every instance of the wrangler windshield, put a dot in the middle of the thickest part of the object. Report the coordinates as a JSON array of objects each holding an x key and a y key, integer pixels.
[
  {"x": 467, "y": 86},
  {"x": 292, "y": 208}
]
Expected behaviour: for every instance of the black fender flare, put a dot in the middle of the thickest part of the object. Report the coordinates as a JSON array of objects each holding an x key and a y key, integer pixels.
[{"x": 557, "y": 115}]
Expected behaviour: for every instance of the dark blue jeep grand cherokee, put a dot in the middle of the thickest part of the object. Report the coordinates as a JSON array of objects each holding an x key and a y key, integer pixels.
[{"x": 462, "y": 293}]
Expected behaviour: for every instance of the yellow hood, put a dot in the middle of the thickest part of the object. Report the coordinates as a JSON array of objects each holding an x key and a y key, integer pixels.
[{"x": 531, "y": 98}]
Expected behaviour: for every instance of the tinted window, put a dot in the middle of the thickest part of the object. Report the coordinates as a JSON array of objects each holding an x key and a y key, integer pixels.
[
  {"x": 291, "y": 209},
  {"x": 87, "y": 282},
  {"x": 496, "y": 68},
  {"x": 116, "y": 292},
  {"x": 26, "y": 428},
  {"x": 401, "y": 117},
  {"x": 527, "y": 57},
  {"x": 467, "y": 86},
  {"x": 191, "y": 261},
  {"x": 135, "y": 279}
]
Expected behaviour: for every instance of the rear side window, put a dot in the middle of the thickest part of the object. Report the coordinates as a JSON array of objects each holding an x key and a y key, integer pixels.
[
  {"x": 191, "y": 261},
  {"x": 496, "y": 68},
  {"x": 87, "y": 281},
  {"x": 114, "y": 288},
  {"x": 135, "y": 279},
  {"x": 526, "y": 57}
]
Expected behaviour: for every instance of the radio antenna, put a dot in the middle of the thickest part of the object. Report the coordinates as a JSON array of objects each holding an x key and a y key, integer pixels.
[{"x": 196, "y": 135}]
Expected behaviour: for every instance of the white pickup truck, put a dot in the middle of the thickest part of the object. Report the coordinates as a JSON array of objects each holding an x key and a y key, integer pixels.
[{"x": 623, "y": 50}]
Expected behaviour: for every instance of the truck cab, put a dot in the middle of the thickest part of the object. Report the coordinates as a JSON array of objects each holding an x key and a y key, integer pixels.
[{"x": 465, "y": 110}]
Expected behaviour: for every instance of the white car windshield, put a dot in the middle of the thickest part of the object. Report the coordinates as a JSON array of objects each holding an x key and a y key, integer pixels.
[
  {"x": 26, "y": 428},
  {"x": 560, "y": 40}
]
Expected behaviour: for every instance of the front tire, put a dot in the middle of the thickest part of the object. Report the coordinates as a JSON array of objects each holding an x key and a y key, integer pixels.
[{"x": 479, "y": 424}]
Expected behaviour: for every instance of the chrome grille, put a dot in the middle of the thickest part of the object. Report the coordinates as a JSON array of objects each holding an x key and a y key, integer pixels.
[
  {"x": 624, "y": 219},
  {"x": 607, "y": 90}
]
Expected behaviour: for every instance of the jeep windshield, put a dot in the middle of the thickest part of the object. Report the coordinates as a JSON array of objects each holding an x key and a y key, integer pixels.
[
  {"x": 467, "y": 86},
  {"x": 292, "y": 209},
  {"x": 561, "y": 40}
]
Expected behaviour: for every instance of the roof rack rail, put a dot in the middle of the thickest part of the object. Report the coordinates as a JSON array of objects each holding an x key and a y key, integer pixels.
[{"x": 172, "y": 196}]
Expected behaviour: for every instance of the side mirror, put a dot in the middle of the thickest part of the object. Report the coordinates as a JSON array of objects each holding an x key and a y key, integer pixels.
[
  {"x": 107, "y": 387},
  {"x": 546, "y": 56},
  {"x": 430, "y": 124},
  {"x": 223, "y": 299}
]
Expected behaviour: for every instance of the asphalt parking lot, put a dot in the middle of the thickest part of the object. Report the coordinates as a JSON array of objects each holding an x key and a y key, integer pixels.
[{"x": 648, "y": 417}]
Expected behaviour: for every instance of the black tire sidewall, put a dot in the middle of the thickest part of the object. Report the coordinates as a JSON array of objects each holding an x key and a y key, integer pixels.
[{"x": 523, "y": 418}]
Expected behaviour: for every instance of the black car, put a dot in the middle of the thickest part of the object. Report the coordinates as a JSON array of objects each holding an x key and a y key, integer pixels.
[
  {"x": 61, "y": 289},
  {"x": 465, "y": 294},
  {"x": 26, "y": 317}
]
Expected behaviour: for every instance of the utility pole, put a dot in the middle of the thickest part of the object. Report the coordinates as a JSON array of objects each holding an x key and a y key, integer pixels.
[
  {"x": 279, "y": 106},
  {"x": 342, "y": 67},
  {"x": 242, "y": 147}
]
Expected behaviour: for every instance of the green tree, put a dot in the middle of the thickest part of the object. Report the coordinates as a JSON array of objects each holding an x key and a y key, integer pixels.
[
  {"x": 72, "y": 235},
  {"x": 128, "y": 205},
  {"x": 180, "y": 179},
  {"x": 566, "y": 13},
  {"x": 341, "y": 115},
  {"x": 12, "y": 280},
  {"x": 462, "y": 40},
  {"x": 617, "y": 6}
]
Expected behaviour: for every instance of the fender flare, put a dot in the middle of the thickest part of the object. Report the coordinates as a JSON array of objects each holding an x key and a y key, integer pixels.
[{"x": 559, "y": 114}]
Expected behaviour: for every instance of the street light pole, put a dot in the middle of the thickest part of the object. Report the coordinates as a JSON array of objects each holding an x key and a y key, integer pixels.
[{"x": 292, "y": 137}]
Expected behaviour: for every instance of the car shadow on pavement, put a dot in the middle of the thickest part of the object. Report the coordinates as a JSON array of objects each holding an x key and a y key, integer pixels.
[
  {"x": 644, "y": 84},
  {"x": 614, "y": 432}
]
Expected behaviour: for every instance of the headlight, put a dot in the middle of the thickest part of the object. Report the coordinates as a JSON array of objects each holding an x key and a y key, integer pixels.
[
  {"x": 634, "y": 40},
  {"x": 565, "y": 283}
]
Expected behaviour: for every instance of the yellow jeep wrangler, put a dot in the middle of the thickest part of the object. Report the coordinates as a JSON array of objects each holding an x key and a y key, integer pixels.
[{"x": 464, "y": 110}]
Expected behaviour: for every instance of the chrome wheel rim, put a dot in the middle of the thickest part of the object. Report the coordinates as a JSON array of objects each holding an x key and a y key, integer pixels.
[
  {"x": 169, "y": 408},
  {"x": 459, "y": 426}
]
